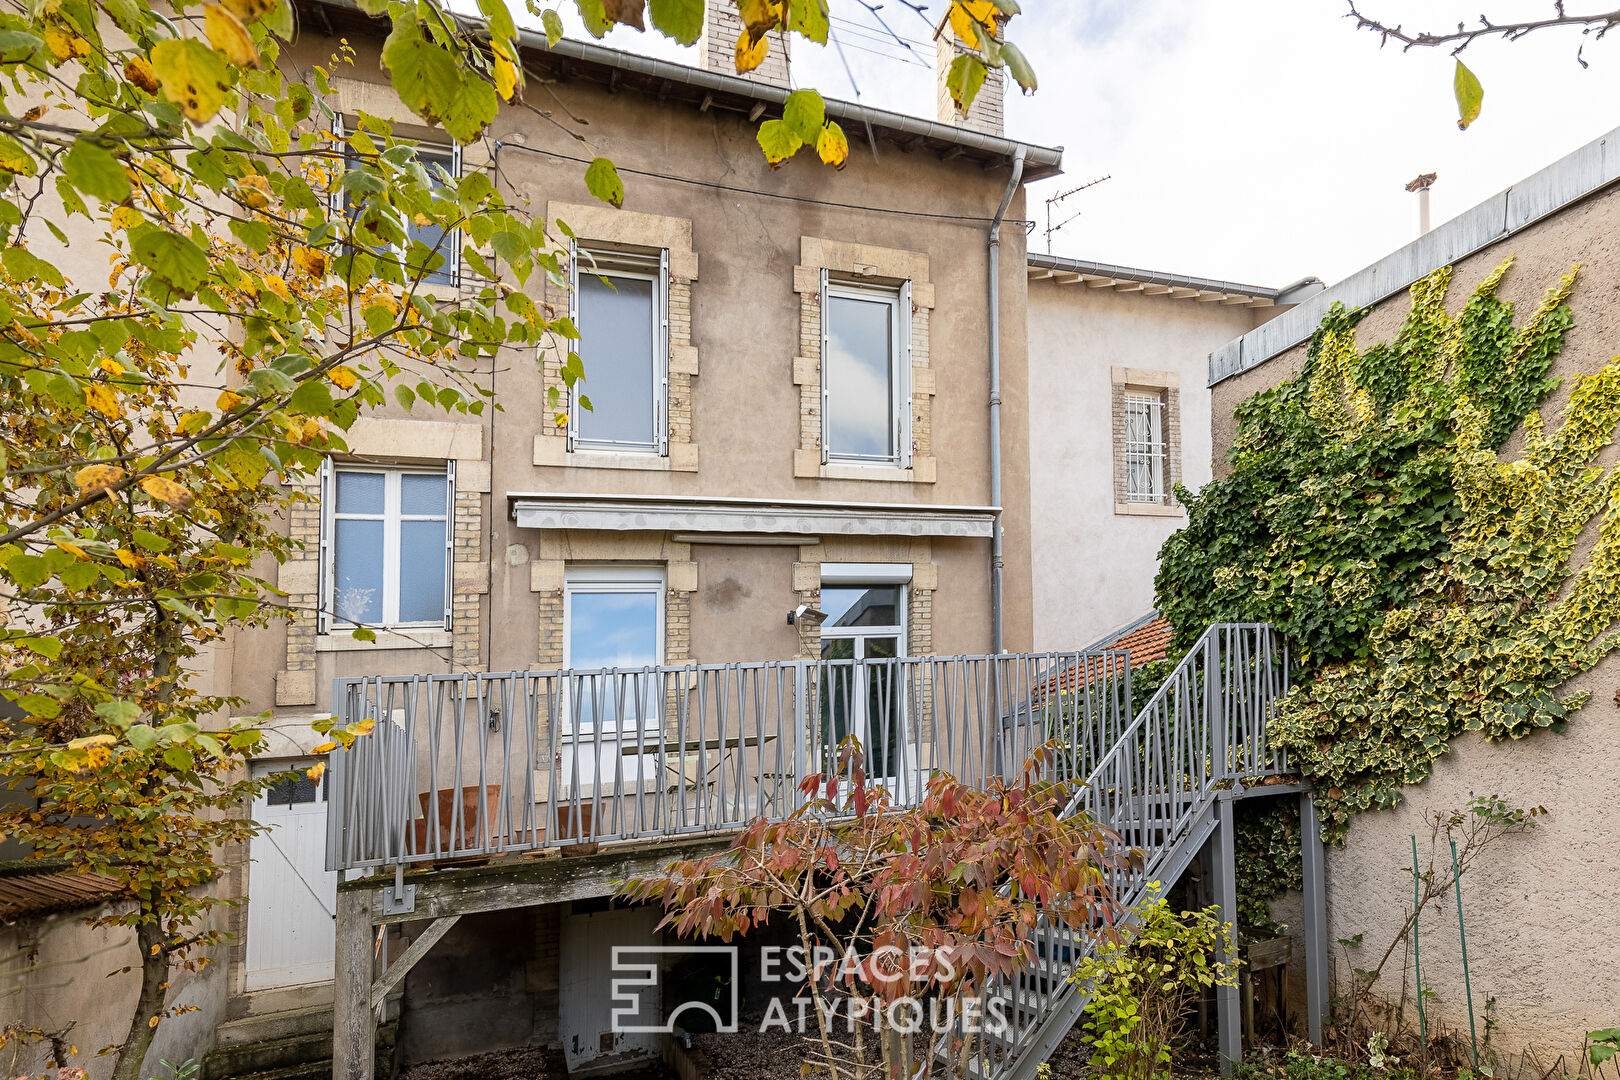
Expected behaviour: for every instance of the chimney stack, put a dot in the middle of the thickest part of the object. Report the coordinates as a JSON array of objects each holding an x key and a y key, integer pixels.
[
  {"x": 986, "y": 113},
  {"x": 1421, "y": 186},
  {"x": 717, "y": 46}
]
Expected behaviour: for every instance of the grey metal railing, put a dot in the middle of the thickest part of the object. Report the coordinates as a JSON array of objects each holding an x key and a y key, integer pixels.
[
  {"x": 482, "y": 764},
  {"x": 1205, "y": 728}
]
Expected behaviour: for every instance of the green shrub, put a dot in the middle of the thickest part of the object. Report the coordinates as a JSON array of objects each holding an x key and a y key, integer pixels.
[{"x": 1141, "y": 988}]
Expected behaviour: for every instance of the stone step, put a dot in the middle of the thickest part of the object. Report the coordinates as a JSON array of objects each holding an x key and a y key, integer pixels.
[
  {"x": 276, "y": 1025},
  {"x": 238, "y": 1061},
  {"x": 309, "y": 1070}
]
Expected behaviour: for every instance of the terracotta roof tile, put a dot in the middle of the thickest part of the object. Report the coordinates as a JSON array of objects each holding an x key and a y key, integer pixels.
[
  {"x": 1146, "y": 643},
  {"x": 24, "y": 893}
]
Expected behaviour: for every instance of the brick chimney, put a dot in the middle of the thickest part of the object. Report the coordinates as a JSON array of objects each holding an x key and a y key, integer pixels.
[
  {"x": 986, "y": 114},
  {"x": 717, "y": 47}
]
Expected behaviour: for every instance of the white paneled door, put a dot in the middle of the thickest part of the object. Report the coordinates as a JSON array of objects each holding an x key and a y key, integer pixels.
[{"x": 292, "y": 899}]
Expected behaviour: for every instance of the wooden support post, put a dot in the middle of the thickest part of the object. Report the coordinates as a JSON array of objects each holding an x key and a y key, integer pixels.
[
  {"x": 1228, "y": 1022},
  {"x": 407, "y": 959},
  {"x": 354, "y": 1023},
  {"x": 1316, "y": 931}
]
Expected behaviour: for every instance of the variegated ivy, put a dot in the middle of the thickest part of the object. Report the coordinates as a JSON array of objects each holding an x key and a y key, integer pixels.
[{"x": 1431, "y": 584}]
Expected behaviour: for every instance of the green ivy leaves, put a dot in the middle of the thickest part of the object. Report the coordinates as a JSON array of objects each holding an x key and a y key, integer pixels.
[{"x": 1425, "y": 583}]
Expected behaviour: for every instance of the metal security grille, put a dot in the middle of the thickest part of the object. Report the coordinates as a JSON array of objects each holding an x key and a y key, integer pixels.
[{"x": 1144, "y": 448}]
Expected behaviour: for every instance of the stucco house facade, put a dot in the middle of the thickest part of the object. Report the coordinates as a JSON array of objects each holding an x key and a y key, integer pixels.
[
  {"x": 791, "y": 383},
  {"x": 1120, "y": 417}
]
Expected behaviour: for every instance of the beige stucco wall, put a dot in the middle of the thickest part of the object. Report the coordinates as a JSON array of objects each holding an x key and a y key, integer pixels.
[
  {"x": 1096, "y": 566},
  {"x": 745, "y": 404},
  {"x": 57, "y": 970},
  {"x": 1540, "y": 910}
]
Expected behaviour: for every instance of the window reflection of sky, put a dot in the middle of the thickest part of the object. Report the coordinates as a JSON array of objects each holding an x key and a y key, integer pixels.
[
  {"x": 613, "y": 630},
  {"x": 861, "y": 605},
  {"x": 858, "y": 377}
]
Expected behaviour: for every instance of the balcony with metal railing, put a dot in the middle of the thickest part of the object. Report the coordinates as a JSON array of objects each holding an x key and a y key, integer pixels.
[{"x": 479, "y": 765}]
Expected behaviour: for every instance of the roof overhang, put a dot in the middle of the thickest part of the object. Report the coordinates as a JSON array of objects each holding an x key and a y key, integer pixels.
[
  {"x": 745, "y": 517},
  {"x": 1096, "y": 275}
]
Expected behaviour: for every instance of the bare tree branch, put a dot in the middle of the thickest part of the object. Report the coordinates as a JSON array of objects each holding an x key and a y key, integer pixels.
[{"x": 1593, "y": 24}]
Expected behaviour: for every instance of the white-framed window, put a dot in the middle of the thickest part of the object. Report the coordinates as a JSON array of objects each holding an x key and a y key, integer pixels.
[
  {"x": 386, "y": 546},
  {"x": 421, "y": 243},
  {"x": 865, "y": 609},
  {"x": 865, "y": 373},
  {"x": 613, "y": 618},
  {"x": 619, "y": 300},
  {"x": 1145, "y": 449}
]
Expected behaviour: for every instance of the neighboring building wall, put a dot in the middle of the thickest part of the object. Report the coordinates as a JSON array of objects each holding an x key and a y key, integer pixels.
[
  {"x": 57, "y": 970},
  {"x": 1094, "y": 555},
  {"x": 1539, "y": 908}
]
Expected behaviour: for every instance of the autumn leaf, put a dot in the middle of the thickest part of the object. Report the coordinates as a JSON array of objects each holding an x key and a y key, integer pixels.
[
  {"x": 602, "y": 180},
  {"x": 316, "y": 771},
  {"x": 1470, "y": 95},
  {"x": 103, "y": 400},
  {"x": 832, "y": 146},
  {"x": 192, "y": 75},
  {"x": 778, "y": 140},
  {"x": 138, "y": 70},
  {"x": 506, "y": 74},
  {"x": 227, "y": 34},
  {"x": 167, "y": 491},
  {"x": 228, "y": 400},
  {"x": 311, "y": 261},
  {"x": 343, "y": 377},
  {"x": 325, "y": 748},
  {"x": 125, "y": 217},
  {"x": 97, "y": 477},
  {"x": 751, "y": 51},
  {"x": 964, "y": 78}
]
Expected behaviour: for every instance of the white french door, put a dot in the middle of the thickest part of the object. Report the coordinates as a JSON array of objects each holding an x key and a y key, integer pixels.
[
  {"x": 612, "y": 618},
  {"x": 867, "y": 622}
]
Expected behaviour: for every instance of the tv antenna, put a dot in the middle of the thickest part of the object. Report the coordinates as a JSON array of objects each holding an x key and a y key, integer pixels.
[{"x": 1054, "y": 200}]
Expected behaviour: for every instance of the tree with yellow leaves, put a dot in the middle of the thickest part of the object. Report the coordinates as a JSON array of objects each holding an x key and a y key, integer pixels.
[{"x": 265, "y": 285}]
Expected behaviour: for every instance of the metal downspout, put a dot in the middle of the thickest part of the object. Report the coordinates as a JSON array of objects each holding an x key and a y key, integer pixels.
[{"x": 996, "y": 552}]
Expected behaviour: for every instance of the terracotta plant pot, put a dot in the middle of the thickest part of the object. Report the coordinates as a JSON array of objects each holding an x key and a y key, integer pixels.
[{"x": 461, "y": 835}]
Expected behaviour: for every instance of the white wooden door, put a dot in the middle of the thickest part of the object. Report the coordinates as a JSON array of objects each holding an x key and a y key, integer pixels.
[
  {"x": 292, "y": 899},
  {"x": 585, "y": 1005}
]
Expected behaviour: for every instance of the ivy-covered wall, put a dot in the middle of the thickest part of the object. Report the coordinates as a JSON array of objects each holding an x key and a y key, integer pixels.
[{"x": 1453, "y": 575}]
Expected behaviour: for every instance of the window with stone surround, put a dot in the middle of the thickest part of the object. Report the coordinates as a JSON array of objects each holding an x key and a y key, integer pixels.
[
  {"x": 385, "y": 541},
  {"x": 621, "y": 308},
  {"x": 1147, "y": 441},
  {"x": 866, "y": 393},
  {"x": 619, "y": 245},
  {"x": 423, "y": 243},
  {"x": 865, "y": 376}
]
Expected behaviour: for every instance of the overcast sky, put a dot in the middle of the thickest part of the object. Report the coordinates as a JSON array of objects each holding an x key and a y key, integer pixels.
[{"x": 1255, "y": 140}]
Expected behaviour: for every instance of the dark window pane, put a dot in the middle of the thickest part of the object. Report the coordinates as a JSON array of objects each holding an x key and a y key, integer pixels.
[
  {"x": 294, "y": 790},
  {"x": 861, "y": 605},
  {"x": 616, "y": 346}
]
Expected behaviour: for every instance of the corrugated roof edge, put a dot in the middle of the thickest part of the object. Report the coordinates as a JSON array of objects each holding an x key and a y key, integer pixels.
[
  {"x": 1566, "y": 181},
  {"x": 1149, "y": 277},
  {"x": 1041, "y": 161}
]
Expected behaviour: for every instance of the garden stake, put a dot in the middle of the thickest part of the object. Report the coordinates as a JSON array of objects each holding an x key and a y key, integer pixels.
[
  {"x": 1417, "y": 956},
  {"x": 1456, "y": 877}
]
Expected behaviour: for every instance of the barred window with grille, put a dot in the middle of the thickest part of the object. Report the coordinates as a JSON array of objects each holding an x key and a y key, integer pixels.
[{"x": 1145, "y": 450}]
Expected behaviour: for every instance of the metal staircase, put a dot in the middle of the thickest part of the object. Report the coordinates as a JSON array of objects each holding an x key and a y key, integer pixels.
[{"x": 1162, "y": 785}]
